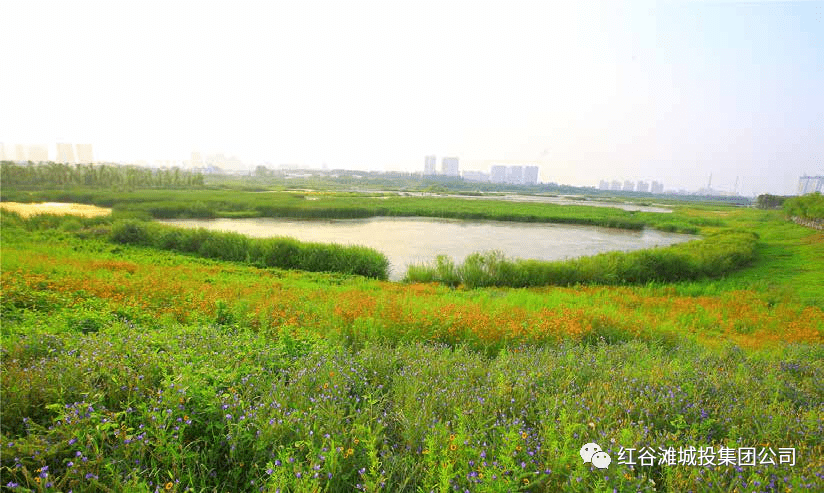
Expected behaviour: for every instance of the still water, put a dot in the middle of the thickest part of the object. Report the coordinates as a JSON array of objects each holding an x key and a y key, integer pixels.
[{"x": 407, "y": 240}]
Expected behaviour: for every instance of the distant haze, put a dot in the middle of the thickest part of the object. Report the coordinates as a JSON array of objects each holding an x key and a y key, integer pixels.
[{"x": 671, "y": 92}]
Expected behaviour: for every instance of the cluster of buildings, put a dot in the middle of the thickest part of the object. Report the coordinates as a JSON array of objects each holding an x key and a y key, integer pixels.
[
  {"x": 631, "y": 186},
  {"x": 515, "y": 175},
  {"x": 66, "y": 153},
  {"x": 449, "y": 166},
  {"x": 217, "y": 160}
]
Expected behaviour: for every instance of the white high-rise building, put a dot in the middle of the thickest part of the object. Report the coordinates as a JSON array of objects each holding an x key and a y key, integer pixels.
[
  {"x": 657, "y": 187},
  {"x": 629, "y": 186},
  {"x": 449, "y": 166},
  {"x": 196, "y": 161},
  {"x": 65, "y": 153},
  {"x": 530, "y": 175},
  {"x": 84, "y": 153},
  {"x": 498, "y": 174},
  {"x": 429, "y": 165},
  {"x": 515, "y": 175},
  {"x": 20, "y": 153},
  {"x": 38, "y": 153}
]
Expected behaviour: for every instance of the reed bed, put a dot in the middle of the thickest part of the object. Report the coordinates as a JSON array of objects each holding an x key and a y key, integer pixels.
[
  {"x": 284, "y": 253},
  {"x": 714, "y": 256}
]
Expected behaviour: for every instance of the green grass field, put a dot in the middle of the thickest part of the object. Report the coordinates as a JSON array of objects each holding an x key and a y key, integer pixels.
[{"x": 132, "y": 368}]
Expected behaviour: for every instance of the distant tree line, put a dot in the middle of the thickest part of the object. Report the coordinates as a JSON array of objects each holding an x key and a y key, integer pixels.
[
  {"x": 767, "y": 201},
  {"x": 61, "y": 175}
]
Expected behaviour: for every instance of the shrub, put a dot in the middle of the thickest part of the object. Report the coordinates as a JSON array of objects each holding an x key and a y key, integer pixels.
[
  {"x": 810, "y": 206},
  {"x": 130, "y": 232},
  {"x": 284, "y": 253}
]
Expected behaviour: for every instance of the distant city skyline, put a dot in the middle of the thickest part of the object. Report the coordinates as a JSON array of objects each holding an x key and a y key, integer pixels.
[
  {"x": 591, "y": 90},
  {"x": 64, "y": 152},
  {"x": 495, "y": 173}
]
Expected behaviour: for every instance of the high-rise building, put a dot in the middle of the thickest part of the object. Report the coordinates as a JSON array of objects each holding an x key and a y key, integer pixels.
[
  {"x": 515, "y": 175},
  {"x": 629, "y": 186},
  {"x": 603, "y": 185},
  {"x": 196, "y": 161},
  {"x": 65, "y": 153},
  {"x": 497, "y": 174},
  {"x": 449, "y": 166},
  {"x": 530, "y": 175},
  {"x": 657, "y": 187},
  {"x": 429, "y": 165},
  {"x": 84, "y": 153},
  {"x": 615, "y": 185},
  {"x": 38, "y": 153},
  {"x": 642, "y": 186}
]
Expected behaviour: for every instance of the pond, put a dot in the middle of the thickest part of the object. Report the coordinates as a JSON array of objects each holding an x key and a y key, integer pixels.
[{"x": 408, "y": 240}]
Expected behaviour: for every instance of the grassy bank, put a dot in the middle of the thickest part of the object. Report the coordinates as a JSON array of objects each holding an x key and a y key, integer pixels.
[
  {"x": 714, "y": 256},
  {"x": 134, "y": 369},
  {"x": 285, "y": 253}
]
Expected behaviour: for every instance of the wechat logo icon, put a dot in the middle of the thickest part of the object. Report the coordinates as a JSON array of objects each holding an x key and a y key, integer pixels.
[{"x": 591, "y": 452}]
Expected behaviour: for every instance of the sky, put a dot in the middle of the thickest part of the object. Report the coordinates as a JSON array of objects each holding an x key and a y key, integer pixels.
[{"x": 673, "y": 92}]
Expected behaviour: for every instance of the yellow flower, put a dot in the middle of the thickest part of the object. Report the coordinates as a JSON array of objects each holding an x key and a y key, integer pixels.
[
  {"x": 452, "y": 437},
  {"x": 526, "y": 481},
  {"x": 523, "y": 435},
  {"x": 357, "y": 441},
  {"x": 169, "y": 485},
  {"x": 453, "y": 447}
]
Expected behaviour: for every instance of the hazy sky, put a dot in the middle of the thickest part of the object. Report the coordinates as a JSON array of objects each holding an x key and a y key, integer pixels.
[{"x": 588, "y": 90}]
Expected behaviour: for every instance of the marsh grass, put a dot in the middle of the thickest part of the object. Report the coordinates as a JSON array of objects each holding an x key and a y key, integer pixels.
[
  {"x": 164, "y": 204},
  {"x": 284, "y": 253},
  {"x": 714, "y": 256}
]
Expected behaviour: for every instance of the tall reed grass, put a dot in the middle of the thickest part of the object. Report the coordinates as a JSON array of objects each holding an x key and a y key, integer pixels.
[
  {"x": 717, "y": 254},
  {"x": 284, "y": 253}
]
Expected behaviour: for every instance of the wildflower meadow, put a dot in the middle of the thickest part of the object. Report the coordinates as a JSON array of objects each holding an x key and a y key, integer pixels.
[{"x": 127, "y": 366}]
